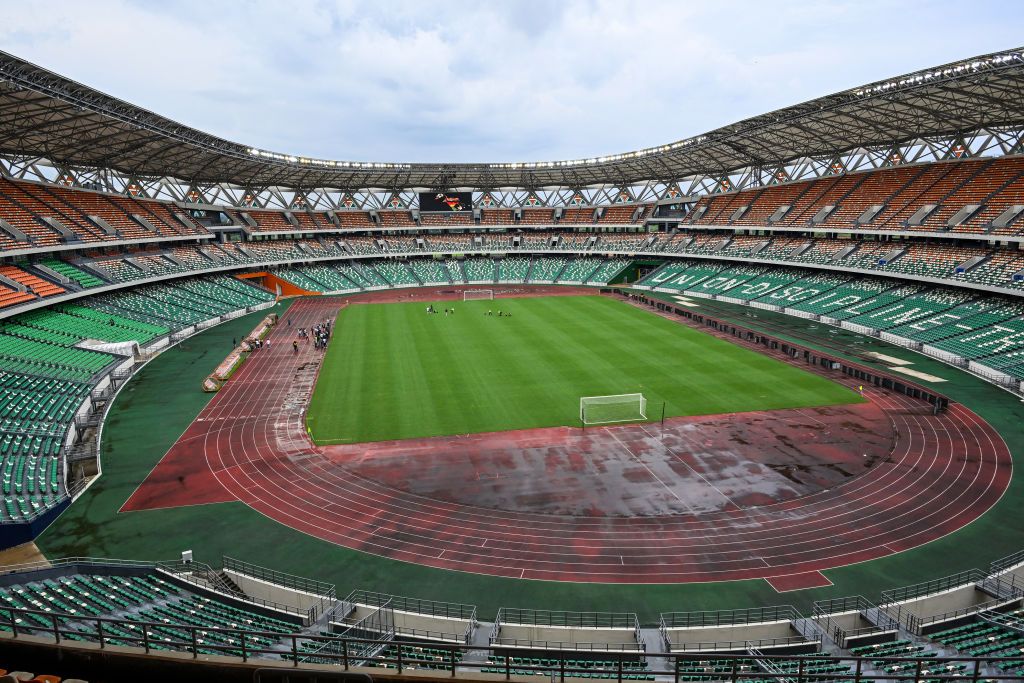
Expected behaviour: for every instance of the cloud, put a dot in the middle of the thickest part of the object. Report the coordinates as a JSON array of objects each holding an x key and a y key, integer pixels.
[{"x": 464, "y": 81}]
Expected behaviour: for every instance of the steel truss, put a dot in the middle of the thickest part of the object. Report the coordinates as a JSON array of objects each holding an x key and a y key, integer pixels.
[
  {"x": 980, "y": 143},
  {"x": 56, "y": 130}
]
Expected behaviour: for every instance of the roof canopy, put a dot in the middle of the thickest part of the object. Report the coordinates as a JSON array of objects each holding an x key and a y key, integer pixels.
[{"x": 43, "y": 114}]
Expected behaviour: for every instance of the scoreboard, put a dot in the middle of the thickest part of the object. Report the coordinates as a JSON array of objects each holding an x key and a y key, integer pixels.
[{"x": 446, "y": 201}]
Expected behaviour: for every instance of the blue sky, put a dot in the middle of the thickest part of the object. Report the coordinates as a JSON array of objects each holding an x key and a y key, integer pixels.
[{"x": 487, "y": 81}]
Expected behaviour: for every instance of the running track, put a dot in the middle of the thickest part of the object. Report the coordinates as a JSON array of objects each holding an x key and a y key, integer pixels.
[{"x": 249, "y": 444}]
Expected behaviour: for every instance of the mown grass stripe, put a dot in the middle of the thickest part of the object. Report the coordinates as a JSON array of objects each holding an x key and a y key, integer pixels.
[{"x": 393, "y": 371}]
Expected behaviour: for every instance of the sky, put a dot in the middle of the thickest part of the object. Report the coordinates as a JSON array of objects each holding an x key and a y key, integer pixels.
[{"x": 496, "y": 81}]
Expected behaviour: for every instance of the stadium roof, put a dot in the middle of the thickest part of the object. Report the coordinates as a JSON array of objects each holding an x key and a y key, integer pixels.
[{"x": 43, "y": 114}]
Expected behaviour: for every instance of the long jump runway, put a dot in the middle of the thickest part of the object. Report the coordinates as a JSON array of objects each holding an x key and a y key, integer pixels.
[{"x": 779, "y": 495}]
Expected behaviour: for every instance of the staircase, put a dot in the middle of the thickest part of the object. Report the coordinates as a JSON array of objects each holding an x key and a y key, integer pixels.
[{"x": 529, "y": 271}]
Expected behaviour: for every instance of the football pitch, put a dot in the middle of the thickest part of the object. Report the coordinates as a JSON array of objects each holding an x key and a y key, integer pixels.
[{"x": 393, "y": 371}]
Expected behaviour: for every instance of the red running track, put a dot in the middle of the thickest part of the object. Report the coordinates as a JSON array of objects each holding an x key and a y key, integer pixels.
[{"x": 924, "y": 477}]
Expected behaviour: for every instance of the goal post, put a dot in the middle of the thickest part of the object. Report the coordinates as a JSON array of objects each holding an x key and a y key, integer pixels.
[
  {"x": 598, "y": 410},
  {"x": 477, "y": 294}
]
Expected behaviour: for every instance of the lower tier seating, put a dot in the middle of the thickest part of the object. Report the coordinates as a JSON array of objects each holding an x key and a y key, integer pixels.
[{"x": 975, "y": 326}]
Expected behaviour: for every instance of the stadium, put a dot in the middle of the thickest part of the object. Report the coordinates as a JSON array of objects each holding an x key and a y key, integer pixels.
[{"x": 740, "y": 407}]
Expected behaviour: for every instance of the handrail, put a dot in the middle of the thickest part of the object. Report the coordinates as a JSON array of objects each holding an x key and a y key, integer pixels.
[
  {"x": 1007, "y": 562},
  {"x": 734, "y": 617},
  {"x": 246, "y": 645},
  {"x": 186, "y": 572},
  {"x": 719, "y": 645},
  {"x": 514, "y": 616},
  {"x": 563, "y": 645},
  {"x": 308, "y": 585},
  {"x": 434, "y": 608},
  {"x": 73, "y": 560},
  {"x": 963, "y": 611},
  {"x": 931, "y": 587}
]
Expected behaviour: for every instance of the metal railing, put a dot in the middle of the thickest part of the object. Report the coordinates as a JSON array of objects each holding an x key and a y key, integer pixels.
[
  {"x": 566, "y": 645},
  {"x": 920, "y": 623},
  {"x": 197, "y": 574},
  {"x": 427, "y": 634},
  {"x": 449, "y": 610},
  {"x": 326, "y": 592},
  {"x": 925, "y": 588},
  {"x": 536, "y": 617},
  {"x": 734, "y": 645},
  {"x": 299, "y": 583},
  {"x": 894, "y": 600},
  {"x": 73, "y": 562},
  {"x": 288, "y": 650},
  {"x": 825, "y": 613},
  {"x": 1007, "y": 562},
  {"x": 734, "y": 617}
]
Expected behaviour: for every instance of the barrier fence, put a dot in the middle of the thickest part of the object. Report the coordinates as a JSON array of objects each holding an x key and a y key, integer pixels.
[{"x": 469, "y": 661}]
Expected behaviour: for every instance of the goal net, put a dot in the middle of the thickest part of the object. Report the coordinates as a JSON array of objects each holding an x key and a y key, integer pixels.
[
  {"x": 477, "y": 294},
  {"x": 597, "y": 410}
]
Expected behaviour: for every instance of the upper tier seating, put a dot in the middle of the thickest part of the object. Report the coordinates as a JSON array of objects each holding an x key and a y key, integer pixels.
[
  {"x": 267, "y": 221},
  {"x": 396, "y": 219},
  {"x": 310, "y": 221},
  {"x": 354, "y": 219},
  {"x": 577, "y": 216},
  {"x": 618, "y": 215},
  {"x": 24, "y": 205},
  {"x": 995, "y": 184},
  {"x": 455, "y": 218},
  {"x": 538, "y": 217},
  {"x": 93, "y": 204},
  {"x": 40, "y": 203},
  {"x": 496, "y": 217}
]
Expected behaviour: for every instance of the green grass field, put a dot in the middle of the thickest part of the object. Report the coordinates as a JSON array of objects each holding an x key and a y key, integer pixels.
[{"x": 394, "y": 372}]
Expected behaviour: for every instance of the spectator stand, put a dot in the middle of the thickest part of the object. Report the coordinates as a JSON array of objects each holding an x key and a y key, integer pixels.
[
  {"x": 775, "y": 630},
  {"x": 596, "y": 633},
  {"x": 411, "y": 618}
]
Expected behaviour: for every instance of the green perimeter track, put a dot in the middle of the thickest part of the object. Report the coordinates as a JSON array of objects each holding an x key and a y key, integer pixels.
[
  {"x": 163, "y": 399},
  {"x": 394, "y": 371}
]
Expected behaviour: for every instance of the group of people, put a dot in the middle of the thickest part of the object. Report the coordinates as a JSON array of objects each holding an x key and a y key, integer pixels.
[
  {"x": 256, "y": 343},
  {"x": 447, "y": 311},
  {"x": 319, "y": 333},
  {"x": 500, "y": 314}
]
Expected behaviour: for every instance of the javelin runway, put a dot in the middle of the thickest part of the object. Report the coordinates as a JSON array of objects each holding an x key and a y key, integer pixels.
[{"x": 779, "y": 495}]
